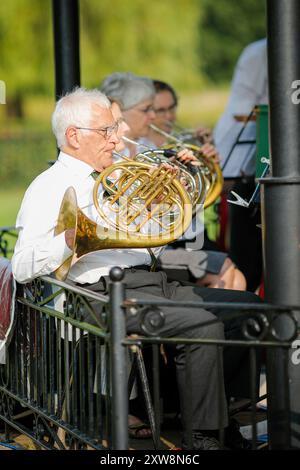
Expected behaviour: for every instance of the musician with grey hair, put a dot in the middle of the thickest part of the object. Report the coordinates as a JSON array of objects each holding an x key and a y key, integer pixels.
[
  {"x": 135, "y": 96},
  {"x": 86, "y": 133}
]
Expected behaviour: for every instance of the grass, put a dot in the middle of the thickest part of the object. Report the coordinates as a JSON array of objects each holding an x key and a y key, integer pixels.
[
  {"x": 203, "y": 108},
  {"x": 10, "y": 200}
]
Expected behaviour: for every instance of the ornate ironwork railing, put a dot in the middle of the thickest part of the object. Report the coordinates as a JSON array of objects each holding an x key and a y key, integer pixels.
[
  {"x": 65, "y": 380},
  {"x": 261, "y": 327},
  {"x": 8, "y": 236},
  {"x": 54, "y": 372}
]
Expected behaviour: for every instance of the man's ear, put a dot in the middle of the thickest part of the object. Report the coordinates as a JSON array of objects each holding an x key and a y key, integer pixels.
[{"x": 73, "y": 137}]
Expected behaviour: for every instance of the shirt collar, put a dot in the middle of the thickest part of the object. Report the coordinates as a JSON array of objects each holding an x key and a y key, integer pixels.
[{"x": 78, "y": 167}]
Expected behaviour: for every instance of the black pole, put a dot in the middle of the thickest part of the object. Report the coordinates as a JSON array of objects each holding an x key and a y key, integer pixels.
[
  {"x": 66, "y": 45},
  {"x": 281, "y": 214},
  {"x": 118, "y": 361}
]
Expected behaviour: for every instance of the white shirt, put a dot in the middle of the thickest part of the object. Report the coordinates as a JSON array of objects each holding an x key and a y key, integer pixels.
[
  {"x": 38, "y": 252},
  {"x": 249, "y": 88}
]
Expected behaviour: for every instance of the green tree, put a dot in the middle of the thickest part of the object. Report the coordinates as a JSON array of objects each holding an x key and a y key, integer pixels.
[
  {"x": 26, "y": 50},
  {"x": 227, "y": 26},
  {"x": 180, "y": 41},
  {"x": 157, "y": 38}
]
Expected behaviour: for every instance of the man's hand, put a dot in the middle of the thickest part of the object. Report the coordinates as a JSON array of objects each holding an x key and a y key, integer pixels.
[
  {"x": 204, "y": 135},
  {"x": 210, "y": 152},
  {"x": 69, "y": 237},
  {"x": 166, "y": 166},
  {"x": 172, "y": 169},
  {"x": 185, "y": 156}
]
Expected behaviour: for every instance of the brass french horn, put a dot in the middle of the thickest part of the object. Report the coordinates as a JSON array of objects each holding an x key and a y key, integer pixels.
[
  {"x": 192, "y": 176},
  {"x": 211, "y": 170},
  {"x": 140, "y": 206},
  {"x": 189, "y": 135}
]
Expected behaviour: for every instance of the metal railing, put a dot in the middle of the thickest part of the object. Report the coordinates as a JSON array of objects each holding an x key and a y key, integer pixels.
[
  {"x": 261, "y": 328},
  {"x": 56, "y": 370},
  {"x": 8, "y": 236},
  {"x": 66, "y": 380}
]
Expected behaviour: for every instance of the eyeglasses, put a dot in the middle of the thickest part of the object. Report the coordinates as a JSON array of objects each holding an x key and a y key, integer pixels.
[
  {"x": 106, "y": 132},
  {"x": 147, "y": 110},
  {"x": 170, "y": 109}
]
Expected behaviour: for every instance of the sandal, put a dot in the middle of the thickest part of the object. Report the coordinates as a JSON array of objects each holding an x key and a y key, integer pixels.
[{"x": 137, "y": 430}]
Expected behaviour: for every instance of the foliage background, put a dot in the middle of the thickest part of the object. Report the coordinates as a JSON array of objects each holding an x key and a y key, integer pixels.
[
  {"x": 193, "y": 44},
  {"x": 187, "y": 42}
]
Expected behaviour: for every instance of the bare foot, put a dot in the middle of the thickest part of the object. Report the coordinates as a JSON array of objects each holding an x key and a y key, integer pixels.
[{"x": 138, "y": 429}]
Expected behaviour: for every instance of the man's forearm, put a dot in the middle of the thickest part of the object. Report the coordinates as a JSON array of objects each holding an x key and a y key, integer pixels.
[{"x": 35, "y": 259}]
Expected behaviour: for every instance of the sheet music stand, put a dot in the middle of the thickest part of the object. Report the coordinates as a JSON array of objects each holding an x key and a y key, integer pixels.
[
  {"x": 232, "y": 168},
  {"x": 262, "y": 166}
]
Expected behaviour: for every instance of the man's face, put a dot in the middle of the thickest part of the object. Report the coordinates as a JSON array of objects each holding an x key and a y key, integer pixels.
[
  {"x": 96, "y": 145},
  {"x": 165, "y": 110},
  {"x": 139, "y": 117},
  {"x": 123, "y": 127}
]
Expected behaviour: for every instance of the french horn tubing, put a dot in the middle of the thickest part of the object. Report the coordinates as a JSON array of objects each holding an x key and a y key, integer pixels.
[
  {"x": 211, "y": 170},
  {"x": 191, "y": 175},
  {"x": 140, "y": 207},
  {"x": 189, "y": 136}
]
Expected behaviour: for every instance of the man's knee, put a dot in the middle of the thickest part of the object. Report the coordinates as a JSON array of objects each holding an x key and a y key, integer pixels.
[
  {"x": 239, "y": 281},
  {"x": 250, "y": 297},
  {"x": 242, "y": 297},
  {"x": 212, "y": 331}
]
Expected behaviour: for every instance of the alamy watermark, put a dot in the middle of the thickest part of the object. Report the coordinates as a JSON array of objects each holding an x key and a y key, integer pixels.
[
  {"x": 295, "y": 357},
  {"x": 295, "y": 97},
  {"x": 2, "y": 92},
  {"x": 161, "y": 225}
]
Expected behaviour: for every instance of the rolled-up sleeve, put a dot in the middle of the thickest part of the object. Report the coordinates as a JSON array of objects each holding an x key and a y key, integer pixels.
[
  {"x": 35, "y": 259},
  {"x": 38, "y": 251}
]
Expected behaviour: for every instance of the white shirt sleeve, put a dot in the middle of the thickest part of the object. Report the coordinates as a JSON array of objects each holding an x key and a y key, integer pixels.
[
  {"x": 38, "y": 252},
  {"x": 249, "y": 88},
  {"x": 249, "y": 82}
]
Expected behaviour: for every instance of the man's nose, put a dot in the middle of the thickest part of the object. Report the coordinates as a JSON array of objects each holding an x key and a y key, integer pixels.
[
  {"x": 126, "y": 128},
  {"x": 114, "y": 137},
  {"x": 151, "y": 115},
  {"x": 169, "y": 115}
]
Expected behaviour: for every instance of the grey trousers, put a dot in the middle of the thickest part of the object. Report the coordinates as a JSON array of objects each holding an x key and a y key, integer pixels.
[{"x": 198, "y": 403}]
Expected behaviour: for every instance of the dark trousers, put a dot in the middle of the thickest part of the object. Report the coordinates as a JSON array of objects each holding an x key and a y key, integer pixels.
[
  {"x": 245, "y": 237},
  {"x": 199, "y": 404}
]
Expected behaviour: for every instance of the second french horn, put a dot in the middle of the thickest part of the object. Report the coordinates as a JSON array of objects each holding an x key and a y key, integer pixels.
[{"x": 210, "y": 170}]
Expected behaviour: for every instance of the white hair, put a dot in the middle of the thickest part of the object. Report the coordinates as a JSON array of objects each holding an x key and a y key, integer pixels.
[
  {"x": 75, "y": 109},
  {"x": 127, "y": 89}
]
